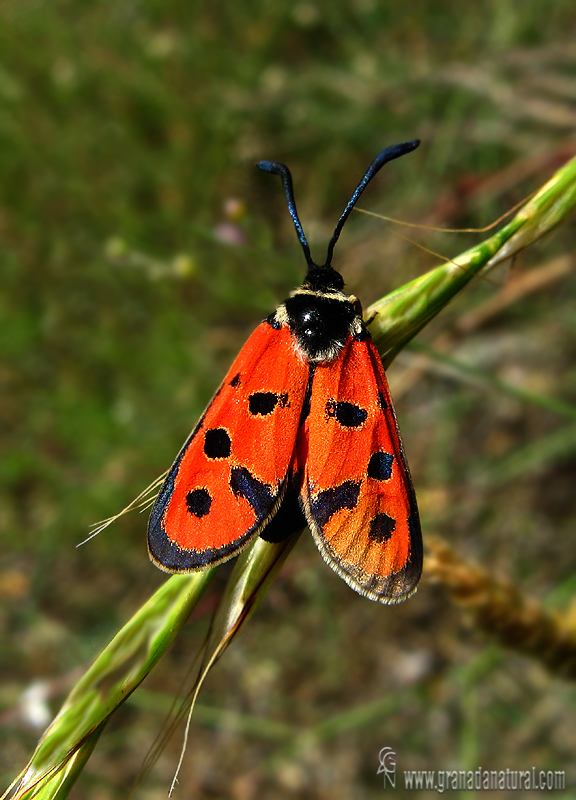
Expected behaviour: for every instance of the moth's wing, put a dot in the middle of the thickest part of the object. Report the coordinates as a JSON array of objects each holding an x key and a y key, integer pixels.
[
  {"x": 229, "y": 476},
  {"x": 357, "y": 493}
]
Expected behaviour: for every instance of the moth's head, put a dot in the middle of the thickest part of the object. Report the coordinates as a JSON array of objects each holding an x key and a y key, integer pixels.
[{"x": 323, "y": 279}]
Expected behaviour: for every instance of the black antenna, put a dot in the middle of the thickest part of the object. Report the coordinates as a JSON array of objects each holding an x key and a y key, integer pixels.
[
  {"x": 389, "y": 154},
  {"x": 281, "y": 169}
]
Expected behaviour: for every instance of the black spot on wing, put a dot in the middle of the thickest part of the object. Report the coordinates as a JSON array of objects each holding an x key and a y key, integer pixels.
[
  {"x": 382, "y": 401},
  {"x": 381, "y": 528},
  {"x": 235, "y": 380},
  {"x": 217, "y": 443},
  {"x": 380, "y": 466},
  {"x": 331, "y": 501},
  {"x": 347, "y": 414},
  {"x": 264, "y": 403},
  {"x": 198, "y": 502},
  {"x": 258, "y": 494}
]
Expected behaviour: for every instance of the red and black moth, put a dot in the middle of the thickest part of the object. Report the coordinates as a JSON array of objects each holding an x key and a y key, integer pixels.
[{"x": 301, "y": 431}]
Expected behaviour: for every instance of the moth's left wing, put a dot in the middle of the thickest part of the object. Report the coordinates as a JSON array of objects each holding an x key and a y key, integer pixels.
[{"x": 229, "y": 477}]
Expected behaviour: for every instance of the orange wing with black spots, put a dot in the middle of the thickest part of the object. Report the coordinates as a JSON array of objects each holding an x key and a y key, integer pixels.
[
  {"x": 357, "y": 493},
  {"x": 303, "y": 424},
  {"x": 230, "y": 475}
]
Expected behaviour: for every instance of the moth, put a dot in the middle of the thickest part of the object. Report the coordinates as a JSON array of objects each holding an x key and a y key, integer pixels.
[{"x": 301, "y": 431}]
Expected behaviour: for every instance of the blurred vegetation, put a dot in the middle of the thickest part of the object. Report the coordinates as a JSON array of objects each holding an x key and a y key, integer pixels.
[{"x": 139, "y": 247}]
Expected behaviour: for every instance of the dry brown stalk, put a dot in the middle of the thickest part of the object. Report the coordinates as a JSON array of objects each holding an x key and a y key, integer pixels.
[{"x": 499, "y": 609}]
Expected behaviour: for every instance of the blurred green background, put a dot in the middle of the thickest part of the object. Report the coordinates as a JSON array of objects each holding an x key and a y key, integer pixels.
[{"x": 138, "y": 249}]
